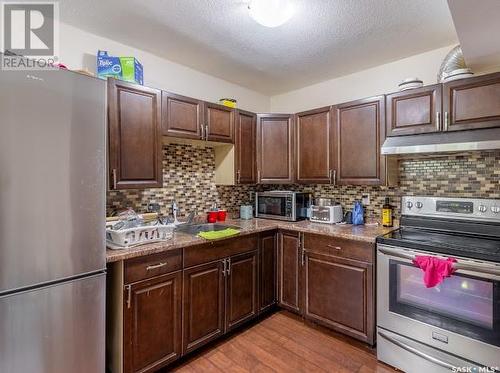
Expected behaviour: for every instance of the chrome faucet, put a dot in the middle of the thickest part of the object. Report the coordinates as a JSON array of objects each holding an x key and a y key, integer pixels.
[{"x": 175, "y": 210}]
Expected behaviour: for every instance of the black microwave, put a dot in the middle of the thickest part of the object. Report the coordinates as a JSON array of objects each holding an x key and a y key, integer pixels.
[{"x": 282, "y": 205}]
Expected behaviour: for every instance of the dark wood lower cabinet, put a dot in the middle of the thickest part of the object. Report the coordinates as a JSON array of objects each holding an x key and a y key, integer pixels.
[
  {"x": 152, "y": 320},
  {"x": 326, "y": 280},
  {"x": 241, "y": 277},
  {"x": 204, "y": 294},
  {"x": 267, "y": 283},
  {"x": 338, "y": 293},
  {"x": 289, "y": 271}
]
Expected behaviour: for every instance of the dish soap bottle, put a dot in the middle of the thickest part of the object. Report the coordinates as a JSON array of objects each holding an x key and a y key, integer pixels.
[{"x": 387, "y": 213}]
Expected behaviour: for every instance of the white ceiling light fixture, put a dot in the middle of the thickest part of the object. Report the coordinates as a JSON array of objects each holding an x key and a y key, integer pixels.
[{"x": 271, "y": 13}]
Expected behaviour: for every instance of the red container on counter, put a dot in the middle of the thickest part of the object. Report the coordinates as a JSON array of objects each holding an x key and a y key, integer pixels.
[
  {"x": 221, "y": 215},
  {"x": 212, "y": 216}
]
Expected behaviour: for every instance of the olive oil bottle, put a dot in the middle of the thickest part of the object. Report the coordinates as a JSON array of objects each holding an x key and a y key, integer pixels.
[{"x": 387, "y": 213}]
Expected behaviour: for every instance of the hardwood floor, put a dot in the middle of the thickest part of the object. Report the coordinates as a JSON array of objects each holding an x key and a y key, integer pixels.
[{"x": 284, "y": 343}]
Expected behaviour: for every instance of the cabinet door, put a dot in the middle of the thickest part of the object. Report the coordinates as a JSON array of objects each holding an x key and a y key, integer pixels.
[
  {"x": 289, "y": 271},
  {"x": 267, "y": 286},
  {"x": 219, "y": 120},
  {"x": 245, "y": 142},
  {"x": 203, "y": 304},
  {"x": 360, "y": 132},
  {"x": 414, "y": 111},
  {"x": 182, "y": 116},
  {"x": 275, "y": 148},
  {"x": 135, "y": 155},
  {"x": 314, "y": 153},
  {"x": 152, "y": 323},
  {"x": 339, "y": 294},
  {"x": 242, "y": 285},
  {"x": 472, "y": 103}
]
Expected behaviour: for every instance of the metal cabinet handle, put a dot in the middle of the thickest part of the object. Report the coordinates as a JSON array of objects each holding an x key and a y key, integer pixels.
[
  {"x": 438, "y": 120},
  {"x": 238, "y": 176},
  {"x": 113, "y": 173},
  {"x": 128, "y": 288},
  {"x": 334, "y": 247},
  {"x": 202, "y": 129},
  {"x": 229, "y": 266},
  {"x": 482, "y": 270},
  {"x": 334, "y": 177},
  {"x": 206, "y": 132},
  {"x": 414, "y": 351},
  {"x": 446, "y": 121},
  {"x": 330, "y": 173},
  {"x": 258, "y": 176},
  {"x": 156, "y": 266},
  {"x": 224, "y": 267}
]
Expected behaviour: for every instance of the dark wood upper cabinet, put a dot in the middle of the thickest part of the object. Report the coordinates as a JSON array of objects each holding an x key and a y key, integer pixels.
[
  {"x": 339, "y": 294},
  {"x": 289, "y": 271},
  {"x": 275, "y": 143},
  {"x": 135, "y": 153},
  {"x": 204, "y": 293},
  {"x": 153, "y": 321},
  {"x": 182, "y": 116},
  {"x": 360, "y": 132},
  {"x": 314, "y": 151},
  {"x": 414, "y": 111},
  {"x": 472, "y": 103},
  {"x": 267, "y": 284},
  {"x": 245, "y": 142},
  {"x": 242, "y": 283},
  {"x": 219, "y": 123}
]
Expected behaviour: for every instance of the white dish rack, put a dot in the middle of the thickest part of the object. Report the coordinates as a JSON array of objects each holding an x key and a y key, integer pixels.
[{"x": 130, "y": 237}]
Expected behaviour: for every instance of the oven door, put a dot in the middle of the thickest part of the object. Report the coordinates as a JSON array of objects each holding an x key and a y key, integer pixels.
[
  {"x": 460, "y": 316},
  {"x": 275, "y": 206}
]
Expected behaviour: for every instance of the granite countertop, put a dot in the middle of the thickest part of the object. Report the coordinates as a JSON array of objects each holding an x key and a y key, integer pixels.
[{"x": 366, "y": 233}]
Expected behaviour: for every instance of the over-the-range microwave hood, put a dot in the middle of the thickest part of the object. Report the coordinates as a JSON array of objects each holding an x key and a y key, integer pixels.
[{"x": 443, "y": 142}]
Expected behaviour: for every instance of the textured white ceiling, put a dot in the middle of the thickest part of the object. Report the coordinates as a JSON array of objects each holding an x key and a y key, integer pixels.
[{"x": 323, "y": 40}]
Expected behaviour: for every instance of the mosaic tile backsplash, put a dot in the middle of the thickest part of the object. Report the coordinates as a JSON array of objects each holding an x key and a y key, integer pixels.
[{"x": 189, "y": 179}]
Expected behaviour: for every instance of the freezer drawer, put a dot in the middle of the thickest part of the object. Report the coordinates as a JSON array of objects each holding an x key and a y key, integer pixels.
[{"x": 55, "y": 329}]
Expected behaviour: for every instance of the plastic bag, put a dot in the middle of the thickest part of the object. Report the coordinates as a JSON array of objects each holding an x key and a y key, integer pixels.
[{"x": 357, "y": 214}]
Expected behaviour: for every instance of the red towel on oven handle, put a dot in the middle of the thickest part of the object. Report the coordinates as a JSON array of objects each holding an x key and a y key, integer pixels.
[{"x": 435, "y": 269}]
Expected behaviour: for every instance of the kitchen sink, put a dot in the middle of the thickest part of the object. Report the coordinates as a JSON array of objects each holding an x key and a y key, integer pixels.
[{"x": 194, "y": 229}]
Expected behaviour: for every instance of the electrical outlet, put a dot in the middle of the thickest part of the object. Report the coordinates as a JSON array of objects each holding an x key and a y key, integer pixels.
[{"x": 365, "y": 199}]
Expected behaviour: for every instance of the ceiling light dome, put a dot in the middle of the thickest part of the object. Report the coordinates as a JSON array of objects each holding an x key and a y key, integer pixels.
[{"x": 271, "y": 13}]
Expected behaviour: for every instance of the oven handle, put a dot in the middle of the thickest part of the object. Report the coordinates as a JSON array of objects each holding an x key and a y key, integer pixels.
[
  {"x": 413, "y": 350},
  {"x": 458, "y": 266}
]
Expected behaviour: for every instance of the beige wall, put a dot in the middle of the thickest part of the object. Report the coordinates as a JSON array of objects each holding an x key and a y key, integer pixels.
[
  {"x": 374, "y": 81},
  {"x": 78, "y": 50}
]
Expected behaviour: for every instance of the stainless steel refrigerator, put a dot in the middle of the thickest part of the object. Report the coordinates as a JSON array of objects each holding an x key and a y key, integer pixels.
[{"x": 52, "y": 221}]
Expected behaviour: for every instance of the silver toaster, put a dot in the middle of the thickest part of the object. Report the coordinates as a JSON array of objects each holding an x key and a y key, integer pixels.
[{"x": 327, "y": 214}]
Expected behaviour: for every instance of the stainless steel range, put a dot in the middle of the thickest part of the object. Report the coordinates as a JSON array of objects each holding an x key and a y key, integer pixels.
[{"x": 454, "y": 326}]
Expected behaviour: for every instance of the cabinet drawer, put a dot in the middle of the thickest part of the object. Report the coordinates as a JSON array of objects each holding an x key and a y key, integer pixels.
[
  {"x": 152, "y": 265},
  {"x": 209, "y": 252},
  {"x": 333, "y": 246}
]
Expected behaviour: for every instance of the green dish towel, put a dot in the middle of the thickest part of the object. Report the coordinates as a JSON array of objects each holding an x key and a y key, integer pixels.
[{"x": 213, "y": 235}]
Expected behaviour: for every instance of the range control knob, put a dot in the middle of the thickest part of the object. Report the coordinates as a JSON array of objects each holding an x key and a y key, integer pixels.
[
  {"x": 419, "y": 205},
  {"x": 495, "y": 209},
  {"x": 409, "y": 204},
  {"x": 482, "y": 208}
]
